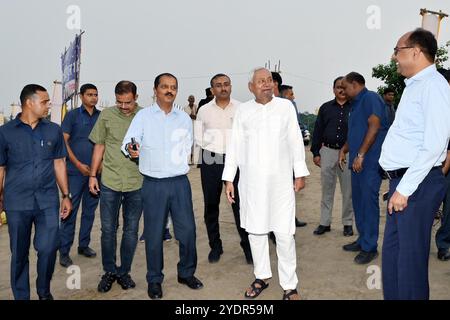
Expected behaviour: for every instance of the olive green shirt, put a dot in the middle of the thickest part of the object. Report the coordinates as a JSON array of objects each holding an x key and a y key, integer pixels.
[{"x": 119, "y": 172}]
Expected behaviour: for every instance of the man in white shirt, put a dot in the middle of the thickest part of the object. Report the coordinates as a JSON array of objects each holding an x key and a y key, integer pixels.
[
  {"x": 266, "y": 145},
  {"x": 191, "y": 108},
  {"x": 213, "y": 125}
]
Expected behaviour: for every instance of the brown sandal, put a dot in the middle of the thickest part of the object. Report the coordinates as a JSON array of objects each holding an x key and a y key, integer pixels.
[
  {"x": 288, "y": 295},
  {"x": 256, "y": 290}
]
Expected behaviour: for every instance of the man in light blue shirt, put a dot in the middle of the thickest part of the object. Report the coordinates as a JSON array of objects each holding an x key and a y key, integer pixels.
[
  {"x": 161, "y": 137},
  {"x": 411, "y": 157}
]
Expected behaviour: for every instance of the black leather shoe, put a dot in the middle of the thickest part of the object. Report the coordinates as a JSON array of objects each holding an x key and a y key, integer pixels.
[
  {"x": 126, "y": 282},
  {"x": 46, "y": 297},
  {"x": 365, "y": 257},
  {"x": 106, "y": 282},
  {"x": 353, "y": 247},
  {"x": 65, "y": 261},
  {"x": 348, "y": 231},
  {"x": 87, "y": 252},
  {"x": 299, "y": 223},
  {"x": 321, "y": 230},
  {"x": 443, "y": 255},
  {"x": 154, "y": 291},
  {"x": 214, "y": 255},
  {"x": 191, "y": 282}
]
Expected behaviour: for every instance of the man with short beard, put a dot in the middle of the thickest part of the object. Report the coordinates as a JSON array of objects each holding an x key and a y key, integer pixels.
[{"x": 214, "y": 121}]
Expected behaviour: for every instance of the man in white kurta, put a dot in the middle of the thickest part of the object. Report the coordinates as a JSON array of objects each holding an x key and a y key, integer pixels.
[{"x": 266, "y": 145}]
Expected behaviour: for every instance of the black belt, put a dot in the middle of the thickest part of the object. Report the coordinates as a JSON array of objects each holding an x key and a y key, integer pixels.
[
  {"x": 332, "y": 146},
  {"x": 395, "y": 174}
]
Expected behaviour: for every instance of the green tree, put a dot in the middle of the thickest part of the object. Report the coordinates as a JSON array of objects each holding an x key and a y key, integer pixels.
[{"x": 391, "y": 78}]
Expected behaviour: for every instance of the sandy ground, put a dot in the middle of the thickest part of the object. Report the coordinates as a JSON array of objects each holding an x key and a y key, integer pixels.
[{"x": 325, "y": 271}]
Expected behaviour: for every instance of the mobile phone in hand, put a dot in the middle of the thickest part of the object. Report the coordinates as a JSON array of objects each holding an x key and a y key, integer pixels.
[{"x": 133, "y": 144}]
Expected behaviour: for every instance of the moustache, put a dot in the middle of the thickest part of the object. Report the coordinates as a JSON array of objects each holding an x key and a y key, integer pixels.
[{"x": 169, "y": 94}]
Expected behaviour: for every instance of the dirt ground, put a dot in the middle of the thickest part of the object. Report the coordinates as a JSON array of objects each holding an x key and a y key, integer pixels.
[{"x": 325, "y": 271}]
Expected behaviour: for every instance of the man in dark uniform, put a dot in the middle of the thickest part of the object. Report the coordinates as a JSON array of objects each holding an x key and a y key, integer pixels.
[
  {"x": 443, "y": 234},
  {"x": 367, "y": 127},
  {"x": 32, "y": 163},
  {"x": 77, "y": 126}
]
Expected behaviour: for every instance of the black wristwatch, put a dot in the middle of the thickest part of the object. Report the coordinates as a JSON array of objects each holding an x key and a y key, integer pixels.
[{"x": 68, "y": 195}]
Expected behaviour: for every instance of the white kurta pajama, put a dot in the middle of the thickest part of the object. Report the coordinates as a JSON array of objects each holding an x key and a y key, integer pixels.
[{"x": 267, "y": 147}]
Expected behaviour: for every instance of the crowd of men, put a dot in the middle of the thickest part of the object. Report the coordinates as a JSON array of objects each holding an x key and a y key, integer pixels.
[{"x": 135, "y": 161}]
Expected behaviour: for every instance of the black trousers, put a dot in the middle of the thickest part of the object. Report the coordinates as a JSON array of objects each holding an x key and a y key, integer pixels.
[{"x": 211, "y": 170}]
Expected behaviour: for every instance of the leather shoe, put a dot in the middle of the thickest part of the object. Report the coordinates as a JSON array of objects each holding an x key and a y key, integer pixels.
[
  {"x": 65, "y": 261},
  {"x": 321, "y": 229},
  {"x": 155, "y": 291},
  {"x": 365, "y": 257},
  {"x": 299, "y": 223},
  {"x": 87, "y": 252},
  {"x": 443, "y": 255},
  {"x": 46, "y": 297},
  {"x": 348, "y": 231},
  {"x": 191, "y": 282},
  {"x": 353, "y": 247},
  {"x": 214, "y": 255}
]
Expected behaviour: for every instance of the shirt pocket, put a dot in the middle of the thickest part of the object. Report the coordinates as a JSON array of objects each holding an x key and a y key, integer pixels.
[
  {"x": 152, "y": 159},
  {"x": 48, "y": 149},
  {"x": 19, "y": 152}
]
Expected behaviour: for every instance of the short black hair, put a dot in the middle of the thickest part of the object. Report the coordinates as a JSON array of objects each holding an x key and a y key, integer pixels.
[
  {"x": 336, "y": 80},
  {"x": 124, "y": 87},
  {"x": 284, "y": 87},
  {"x": 388, "y": 90},
  {"x": 86, "y": 87},
  {"x": 445, "y": 73},
  {"x": 218, "y": 76},
  {"x": 355, "y": 77},
  {"x": 28, "y": 91},
  {"x": 277, "y": 78},
  {"x": 208, "y": 92},
  {"x": 426, "y": 41},
  {"x": 165, "y": 74}
]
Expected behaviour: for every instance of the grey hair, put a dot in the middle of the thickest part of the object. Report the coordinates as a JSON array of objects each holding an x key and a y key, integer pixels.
[{"x": 251, "y": 75}]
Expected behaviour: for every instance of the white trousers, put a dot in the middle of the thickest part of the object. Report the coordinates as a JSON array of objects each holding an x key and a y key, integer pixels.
[{"x": 287, "y": 258}]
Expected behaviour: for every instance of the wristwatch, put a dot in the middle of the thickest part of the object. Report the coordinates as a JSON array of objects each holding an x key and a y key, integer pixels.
[
  {"x": 67, "y": 195},
  {"x": 360, "y": 155}
]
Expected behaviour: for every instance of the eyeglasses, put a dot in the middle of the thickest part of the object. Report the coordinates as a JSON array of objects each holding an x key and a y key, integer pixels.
[{"x": 397, "y": 49}]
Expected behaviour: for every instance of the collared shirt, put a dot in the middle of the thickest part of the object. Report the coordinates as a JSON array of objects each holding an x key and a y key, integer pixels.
[
  {"x": 78, "y": 123},
  {"x": 213, "y": 126},
  {"x": 331, "y": 126},
  {"x": 165, "y": 141},
  {"x": 365, "y": 104},
  {"x": 419, "y": 135},
  {"x": 119, "y": 173},
  {"x": 28, "y": 155}
]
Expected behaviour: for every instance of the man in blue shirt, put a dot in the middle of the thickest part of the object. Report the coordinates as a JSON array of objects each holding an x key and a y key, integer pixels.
[
  {"x": 162, "y": 137},
  {"x": 411, "y": 157},
  {"x": 367, "y": 126},
  {"x": 443, "y": 234},
  {"x": 77, "y": 126},
  {"x": 32, "y": 163}
]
